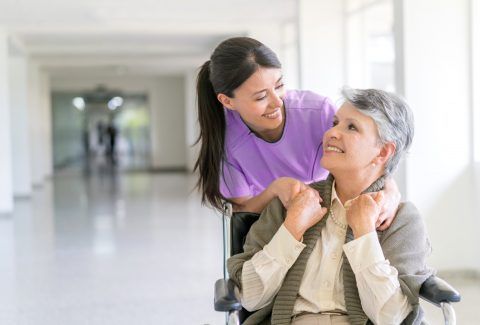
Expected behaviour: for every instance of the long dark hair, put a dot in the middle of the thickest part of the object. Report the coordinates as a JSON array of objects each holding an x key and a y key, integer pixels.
[{"x": 232, "y": 62}]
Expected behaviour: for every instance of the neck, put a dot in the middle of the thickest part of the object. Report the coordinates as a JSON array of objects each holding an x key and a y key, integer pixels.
[{"x": 350, "y": 185}]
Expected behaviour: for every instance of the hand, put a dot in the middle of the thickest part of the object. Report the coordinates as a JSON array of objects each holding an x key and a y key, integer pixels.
[
  {"x": 363, "y": 213},
  {"x": 286, "y": 188},
  {"x": 303, "y": 212},
  {"x": 389, "y": 205}
]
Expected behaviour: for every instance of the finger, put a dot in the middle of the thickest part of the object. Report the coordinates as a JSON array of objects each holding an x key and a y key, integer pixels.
[
  {"x": 381, "y": 219},
  {"x": 379, "y": 197},
  {"x": 385, "y": 224}
]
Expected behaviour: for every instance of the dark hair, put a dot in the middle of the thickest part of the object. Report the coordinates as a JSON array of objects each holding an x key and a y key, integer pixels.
[{"x": 232, "y": 62}]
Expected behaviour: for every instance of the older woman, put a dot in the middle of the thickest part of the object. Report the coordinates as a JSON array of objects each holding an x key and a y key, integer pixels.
[{"x": 322, "y": 261}]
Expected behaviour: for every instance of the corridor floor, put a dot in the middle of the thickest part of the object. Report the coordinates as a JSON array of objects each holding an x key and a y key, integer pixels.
[{"x": 132, "y": 248}]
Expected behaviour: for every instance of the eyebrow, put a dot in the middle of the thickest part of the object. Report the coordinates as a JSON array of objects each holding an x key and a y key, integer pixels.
[
  {"x": 335, "y": 117},
  {"x": 261, "y": 91}
]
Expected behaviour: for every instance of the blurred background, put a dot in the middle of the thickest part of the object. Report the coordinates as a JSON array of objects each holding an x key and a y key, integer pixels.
[{"x": 98, "y": 220}]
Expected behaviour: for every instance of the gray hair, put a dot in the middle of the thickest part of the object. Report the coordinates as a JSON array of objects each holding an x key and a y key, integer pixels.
[{"x": 393, "y": 117}]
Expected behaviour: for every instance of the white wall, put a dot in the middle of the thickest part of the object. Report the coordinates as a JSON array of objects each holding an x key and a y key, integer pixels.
[
  {"x": 192, "y": 128},
  {"x": 321, "y": 46},
  {"x": 168, "y": 123},
  {"x": 475, "y": 38},
  {"x": 439, "y": 169},
  {"x": 45, "y": 106},
  {"x": 36, "y": 124},
  {"x": 6, "y": 193},
  {"x": 18, "y": 79}
]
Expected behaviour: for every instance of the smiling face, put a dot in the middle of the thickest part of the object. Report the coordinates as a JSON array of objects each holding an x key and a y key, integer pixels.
[
  {"x": 352, "y": 145},
  {"x": 259, "y": 101}
]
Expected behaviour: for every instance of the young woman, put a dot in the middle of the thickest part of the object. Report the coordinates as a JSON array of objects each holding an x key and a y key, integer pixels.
[{"x": 259, "y": 141}]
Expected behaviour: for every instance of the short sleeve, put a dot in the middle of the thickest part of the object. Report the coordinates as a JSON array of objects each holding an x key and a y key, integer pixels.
[{"x": 233, "y": 182}]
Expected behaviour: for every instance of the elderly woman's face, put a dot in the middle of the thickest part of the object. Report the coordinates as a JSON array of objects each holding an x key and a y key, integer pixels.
[{"x": 352, "y": 143}]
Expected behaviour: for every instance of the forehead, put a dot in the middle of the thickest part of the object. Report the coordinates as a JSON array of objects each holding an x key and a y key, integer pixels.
[
  {"x": 261, "y": 79},
  {"x": 348, "y": 111}
]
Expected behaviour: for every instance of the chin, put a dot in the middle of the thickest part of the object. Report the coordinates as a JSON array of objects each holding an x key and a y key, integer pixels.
[{"x": 324, "y": 162}]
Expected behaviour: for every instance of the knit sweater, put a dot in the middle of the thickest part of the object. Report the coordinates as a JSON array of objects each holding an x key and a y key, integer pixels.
[{"x": 405, "y": 244}]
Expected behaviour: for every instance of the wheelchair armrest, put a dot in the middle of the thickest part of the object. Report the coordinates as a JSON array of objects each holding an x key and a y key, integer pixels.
[
  {"x": 226, "y": 298},
  {"x": 436, "y": 291}
]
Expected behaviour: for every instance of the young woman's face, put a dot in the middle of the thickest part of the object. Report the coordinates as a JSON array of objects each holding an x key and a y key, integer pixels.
[
  {"x": 352, "y": 144},
  {"x": 259, "y": 100}
]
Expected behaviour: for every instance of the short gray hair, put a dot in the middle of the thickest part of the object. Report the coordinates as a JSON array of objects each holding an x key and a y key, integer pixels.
[{"x": 393, "y": 117}]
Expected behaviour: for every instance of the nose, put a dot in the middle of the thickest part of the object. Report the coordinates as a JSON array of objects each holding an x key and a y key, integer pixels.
[
  {"x": 331, "y": 133},
  {"x": 276, "y": 100}
]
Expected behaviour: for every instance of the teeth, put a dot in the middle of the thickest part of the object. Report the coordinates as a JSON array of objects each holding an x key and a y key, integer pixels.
[
  {"x": 271, "y": 115},
  {"x": 331, "y": 148}
]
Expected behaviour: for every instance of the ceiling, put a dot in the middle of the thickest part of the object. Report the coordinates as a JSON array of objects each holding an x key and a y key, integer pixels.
[{"x": 141, "y": 37}]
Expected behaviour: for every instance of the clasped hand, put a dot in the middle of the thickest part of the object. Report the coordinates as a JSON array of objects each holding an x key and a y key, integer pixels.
[
  {"x": 304, "y": 211},
  {"x": 363, "y": 213}
]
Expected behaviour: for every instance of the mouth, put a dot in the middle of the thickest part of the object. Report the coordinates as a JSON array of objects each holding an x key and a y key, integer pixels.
[
  {"x": 273, "y": 115},
  {"x": 331, "y": 148}
]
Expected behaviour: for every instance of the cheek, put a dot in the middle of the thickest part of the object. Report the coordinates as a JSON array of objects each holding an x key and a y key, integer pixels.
[{"x": 248, "y": 109}]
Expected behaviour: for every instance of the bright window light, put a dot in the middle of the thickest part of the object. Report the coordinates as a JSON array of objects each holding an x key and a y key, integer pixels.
[
  {"x": 79, "y": 103},
  {"x": 115, "y": 103}
]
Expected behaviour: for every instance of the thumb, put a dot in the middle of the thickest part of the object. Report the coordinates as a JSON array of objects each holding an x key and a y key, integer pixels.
[{"x": 379, "y": 197}]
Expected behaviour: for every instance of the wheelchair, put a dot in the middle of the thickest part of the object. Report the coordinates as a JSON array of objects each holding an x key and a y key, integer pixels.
[{"x": 226, "y": 297}]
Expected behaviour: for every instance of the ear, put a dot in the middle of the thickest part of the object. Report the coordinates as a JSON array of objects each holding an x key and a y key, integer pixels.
[
  {"x": 386, "y": 152},
  {"x": 226, "y": 101}
]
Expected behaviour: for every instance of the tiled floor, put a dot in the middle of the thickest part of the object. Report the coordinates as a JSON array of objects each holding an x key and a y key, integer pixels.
[{"x": 121, "y": 249}]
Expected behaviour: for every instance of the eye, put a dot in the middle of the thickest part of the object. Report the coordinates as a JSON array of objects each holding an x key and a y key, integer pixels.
[
  {"x": 352, "y": 127},
  {"x": 279, "y": 86},
  {"x": 335, "y": 123}
]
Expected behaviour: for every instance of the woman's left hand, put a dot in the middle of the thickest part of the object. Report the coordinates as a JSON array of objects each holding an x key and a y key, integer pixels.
[
  {"x": 363, "y": 213},
  {"x": 389, "y": 205}
]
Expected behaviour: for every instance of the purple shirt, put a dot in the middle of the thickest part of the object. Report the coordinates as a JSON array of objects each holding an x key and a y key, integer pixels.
[{"x": 252, "y": 163}]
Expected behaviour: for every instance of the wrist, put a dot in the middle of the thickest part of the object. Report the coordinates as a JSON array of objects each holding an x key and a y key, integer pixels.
[
  {"x": 293, "y": 230},
  {"x": 272, "y": 189},
  {"x": 361, "y": 231}
]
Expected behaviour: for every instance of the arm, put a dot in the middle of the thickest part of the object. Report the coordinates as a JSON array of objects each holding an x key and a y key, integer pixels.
[
  {"x": 379, "y": 289},
  {"x": 263, "y": 275},
  {"x": 285, "y": 188},
  {"x": 389, "y": 205},
  {"x": 269, "y": 253},
  {"x": 388, "y": 292}
]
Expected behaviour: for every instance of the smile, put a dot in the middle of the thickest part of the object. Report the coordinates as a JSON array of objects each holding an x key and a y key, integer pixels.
[
  {"x": 335, "y": 149},
  {"x": 275, "y": 114}
]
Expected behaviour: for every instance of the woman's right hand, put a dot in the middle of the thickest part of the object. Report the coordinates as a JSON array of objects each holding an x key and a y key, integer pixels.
[
  {"x": 303, "y": 212},
  {"x": 286, "y": 188}
]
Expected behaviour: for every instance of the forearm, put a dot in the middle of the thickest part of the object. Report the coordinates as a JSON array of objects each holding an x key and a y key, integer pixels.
[
  {"x": 379, "y": 289},
  {"x": 255, "y": 203},
  {"x": 262, "y": 276}
]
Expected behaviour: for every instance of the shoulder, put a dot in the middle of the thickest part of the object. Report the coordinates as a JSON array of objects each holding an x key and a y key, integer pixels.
[
  {"x": 236, "y": 131},
  {"x": 407, "y": 220},
  {"x": 305, "y": 99},
  {"x": 408, "y": 213}
]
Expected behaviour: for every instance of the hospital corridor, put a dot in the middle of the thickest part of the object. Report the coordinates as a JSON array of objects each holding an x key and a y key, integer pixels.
[{"x": 102, "y": 136}]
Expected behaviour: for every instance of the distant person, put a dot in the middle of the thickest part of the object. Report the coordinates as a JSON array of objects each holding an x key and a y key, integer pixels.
[{"x": 112, "y": 133}]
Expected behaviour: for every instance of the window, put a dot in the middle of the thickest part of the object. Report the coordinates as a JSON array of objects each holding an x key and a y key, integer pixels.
[
  {"x": 475, "y": 38},
  {"x": 370, "y": 48}
]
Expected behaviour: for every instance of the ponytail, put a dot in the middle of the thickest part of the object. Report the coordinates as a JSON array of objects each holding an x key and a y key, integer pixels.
[
  {"x": 232, "y": 62},
  {"x": 211, "y": 118}
]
